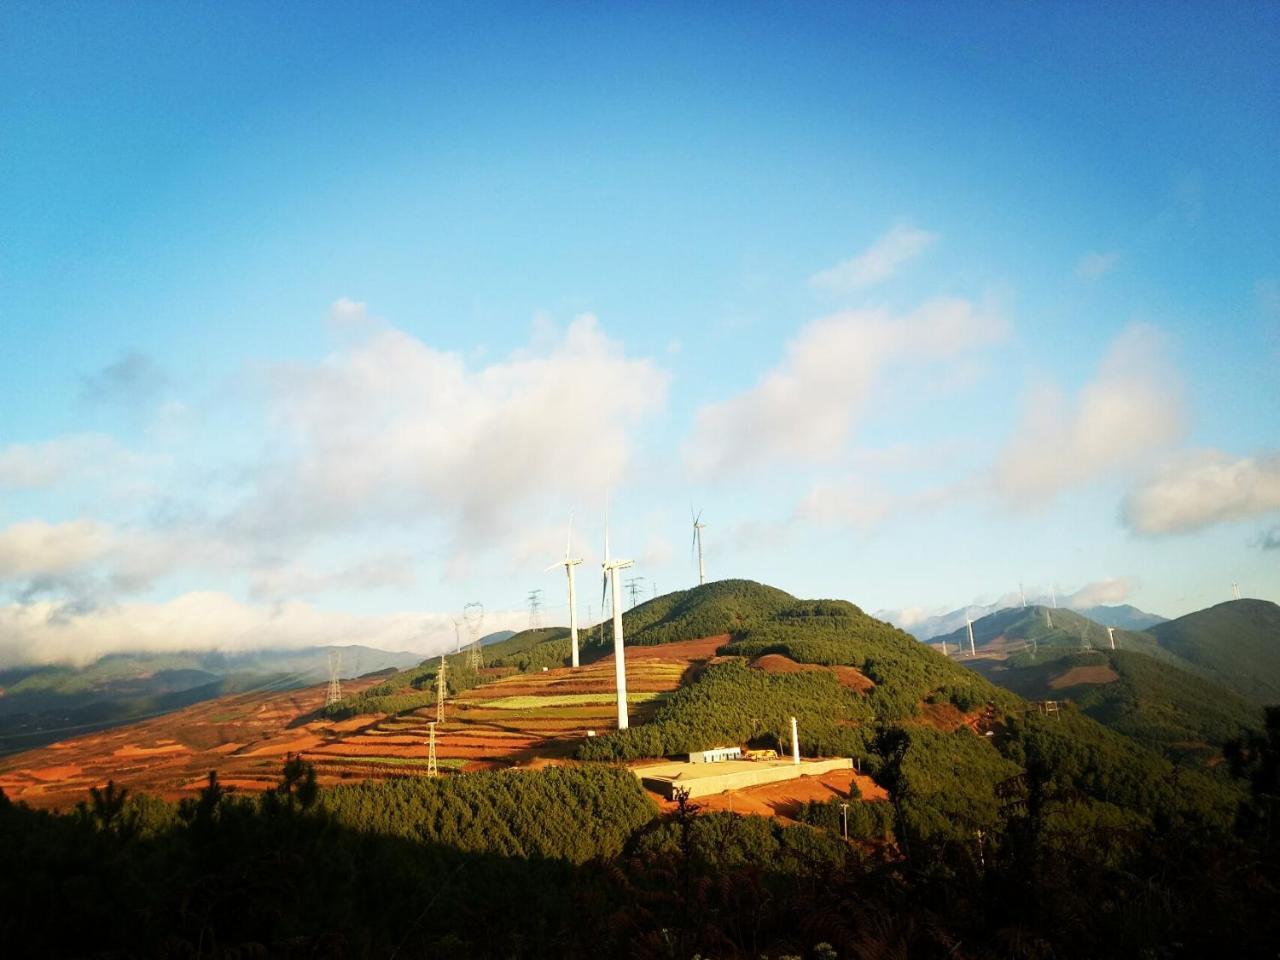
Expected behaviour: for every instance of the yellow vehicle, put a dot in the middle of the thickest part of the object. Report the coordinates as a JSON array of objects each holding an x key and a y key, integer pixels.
[{"x": 761, "y": 755}]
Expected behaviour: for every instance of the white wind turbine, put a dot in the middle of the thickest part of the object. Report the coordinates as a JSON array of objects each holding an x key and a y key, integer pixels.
[
  {"x": 698, "y": 525},
  {"x": 569, "y": 562},
  {"x": 610, "y": 581}
]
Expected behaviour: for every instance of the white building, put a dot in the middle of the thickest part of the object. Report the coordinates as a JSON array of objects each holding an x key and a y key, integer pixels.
[{"x": 716, "y": 754}]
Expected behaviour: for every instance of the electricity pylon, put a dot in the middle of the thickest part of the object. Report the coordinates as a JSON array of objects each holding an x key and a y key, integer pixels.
[
  {"x": 432, "y": 769},
  {"x": 335, "y": 687},
  {"x": 440, "y": 691}
]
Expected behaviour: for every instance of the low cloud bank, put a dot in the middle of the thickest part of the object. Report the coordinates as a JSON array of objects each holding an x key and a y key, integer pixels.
[{"x": 49, "y": 632}]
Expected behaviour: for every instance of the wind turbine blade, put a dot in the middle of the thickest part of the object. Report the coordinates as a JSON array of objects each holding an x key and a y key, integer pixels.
[{"x": 552, "y": 566}]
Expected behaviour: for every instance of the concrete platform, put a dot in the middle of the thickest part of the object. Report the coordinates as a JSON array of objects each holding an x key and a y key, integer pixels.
[{"x": 705, "y": 779}]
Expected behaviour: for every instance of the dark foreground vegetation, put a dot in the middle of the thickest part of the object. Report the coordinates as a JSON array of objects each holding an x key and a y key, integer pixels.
[{"x": 576, "y": 862}]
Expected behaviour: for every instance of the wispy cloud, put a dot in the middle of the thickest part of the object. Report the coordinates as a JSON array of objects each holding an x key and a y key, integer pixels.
[
  {"x": 1132, "y": 407},
  {"x": 53, "y": 463},
  {"x": 1108, "y": 592},
  {"x": 1202, "y": 489},
  {"x": 803, "y": 409},
  {"x": 1269, "y": 539},
  {"x": 134, "y": 380},
  {"x": 1094, "y": 264},
  {"x": 878, "y": 262}
]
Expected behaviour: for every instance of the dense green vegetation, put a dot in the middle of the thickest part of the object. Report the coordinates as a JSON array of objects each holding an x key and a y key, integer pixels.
[
  {"x": 722, "y": 607},
  {"x": 1235, "y": 644},
  {"x": 1083, "y": 851},
  {"x": 1159, "y": 705},
  {"x": 733, "y": 703},
  {"x": 832, "y": 632},
  {"x": 572, "y": 813}
]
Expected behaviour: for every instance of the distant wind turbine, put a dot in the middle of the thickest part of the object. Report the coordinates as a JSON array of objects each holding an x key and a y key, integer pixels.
[
  {"x": 972, "y": 651},
  {"x": 569, "y": 562},
  {"x": 609, "y": 581},
  {"x": 1111, "y": 635},
  {"x": 1235, "y": 590},
  {"x": 698, "y": 525}
]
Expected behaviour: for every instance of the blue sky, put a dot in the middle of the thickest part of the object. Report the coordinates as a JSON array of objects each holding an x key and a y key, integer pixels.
[{"x": 317, "y": 323}]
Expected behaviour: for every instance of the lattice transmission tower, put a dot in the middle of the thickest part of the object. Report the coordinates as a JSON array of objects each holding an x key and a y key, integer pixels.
[
  {"x": 473, "y": 616},
  {"x": 535, "y": 609},
  {"x": 441, "y": 689},
  {"x": 633, "y": 588},
  {"x": 433, "y": 769},
  {"x": 335, "y": 686}
]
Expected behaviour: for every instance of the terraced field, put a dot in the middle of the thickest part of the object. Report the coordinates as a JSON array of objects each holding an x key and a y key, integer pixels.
[
  {"x": 523, "y": 718},
  {"x": 518, "y": 719}
]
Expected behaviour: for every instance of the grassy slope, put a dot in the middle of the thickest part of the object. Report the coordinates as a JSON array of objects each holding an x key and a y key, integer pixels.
[{"x": 1236, "y": 644}]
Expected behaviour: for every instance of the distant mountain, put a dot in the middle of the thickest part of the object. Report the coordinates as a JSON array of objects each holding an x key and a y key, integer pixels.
[
  {"x": 43, "y": 704},
  {"x": 1236, "y": 644},
  {"x": 1122, "y": 616},
  {"x": 498, "y": 636}
]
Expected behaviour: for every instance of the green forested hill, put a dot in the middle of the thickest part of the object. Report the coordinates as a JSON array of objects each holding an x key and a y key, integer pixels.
[
  {"x": 1047, "y": 630},
  {"x": 1236, "y": 644},
  {"x": 1156, "y": 703}
]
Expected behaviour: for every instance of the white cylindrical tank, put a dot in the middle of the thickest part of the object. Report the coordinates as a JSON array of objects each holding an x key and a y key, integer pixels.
[{"x": 795, "y": 743}]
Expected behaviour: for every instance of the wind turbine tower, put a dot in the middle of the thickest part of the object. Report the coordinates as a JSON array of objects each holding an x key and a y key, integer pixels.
[
  {"x": 698, "y": 526},
  {"x": 1023, "y": 594},
  {"x": 1054, "y": 588},
  {"x": 569, "y": 562},
  {"x": 610, "y": 582},
  {"x": 1111, "y": 636},
  {"x": 972, "y": 652},
  {"x": 1235, "y": 590},
  {"x": 335, "y": 686}
]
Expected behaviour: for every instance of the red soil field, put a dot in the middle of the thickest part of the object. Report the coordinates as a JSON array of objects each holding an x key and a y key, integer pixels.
[
  {"x": 850, "y": 677},
  {"x": 1098, "y": 673},
  {"x": 784, "y": 799}
]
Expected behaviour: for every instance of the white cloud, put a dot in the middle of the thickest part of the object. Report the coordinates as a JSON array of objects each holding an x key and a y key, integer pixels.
[
  {"x": 1203, "y": 489},
  {"x": 852, "y": 502},
  {"x": 1094, "y": 264},
  {"x": 34, "y": 548},
  {"x": 87, "y": 560},
  {"x": 374, "y": 573},
  {"x": 878, "y": 262},
  {"x": 1107, "y": 592},
  {"x": 1132, "y": 407},
  {"x": 51, "y": 463},
  {"x": 804, "y": 408},
  {"x": 46, "y": 632},
  {"x": 389, "y": 429}
]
